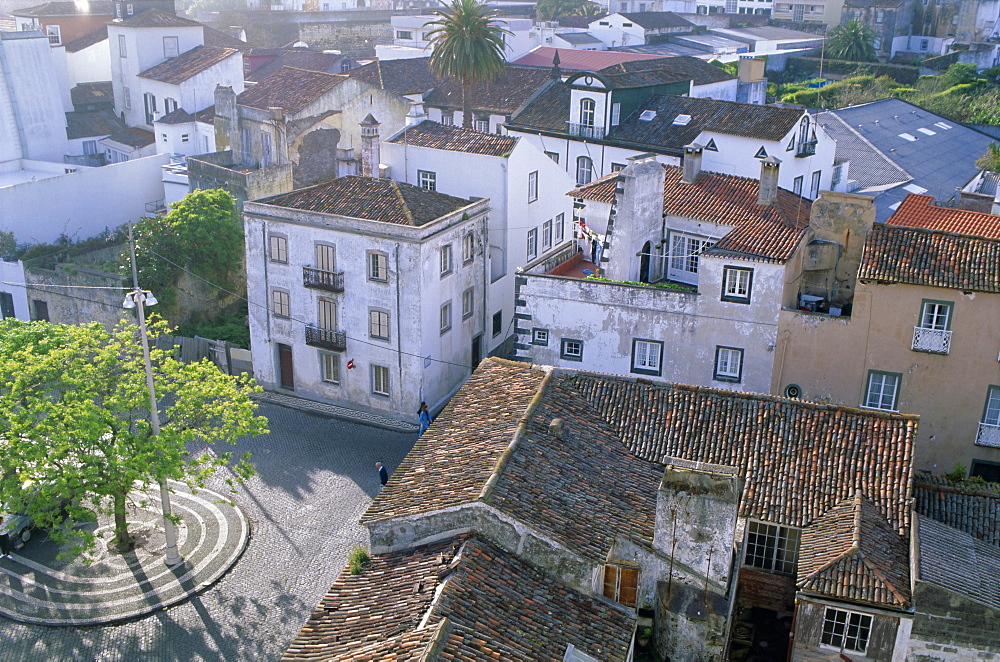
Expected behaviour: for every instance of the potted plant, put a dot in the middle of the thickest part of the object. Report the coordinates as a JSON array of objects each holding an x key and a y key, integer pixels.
[{"x": 643, "y": 636}]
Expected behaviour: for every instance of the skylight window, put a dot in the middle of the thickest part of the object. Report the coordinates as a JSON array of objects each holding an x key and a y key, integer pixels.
[
  {"x": 682, "y": 120},
  {"x": 908, "y": 136},
  {"x": 927, "y": 132},
  {"x": 942, "y": 125},
  {"x": 647, "y": 115},
  {"x": 913, "y": 188}
]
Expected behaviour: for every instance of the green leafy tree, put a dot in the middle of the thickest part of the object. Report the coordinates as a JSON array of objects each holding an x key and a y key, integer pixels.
[
  {"x": 73, "y": 422},
  {"x": 853, "y": 41},
  {"x": 991, "y": 159},
  {"x": 202, "y": 233},
  {"x": 550, "y": 10},
  {"x": 468, "y": 42},
  {"x": 8, "y": 245}
]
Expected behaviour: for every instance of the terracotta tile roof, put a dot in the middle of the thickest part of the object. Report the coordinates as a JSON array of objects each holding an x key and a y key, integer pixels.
[
  {"x": 157, "y": 18},
  {"x": 958, "y": 562},
  {"x": 573, "y": 59},
  {"x": 132, "y": 137},
  {"x": 178, "y": 69},
  {"x": 92, "y": 123},
  {"x": 382, "y": 200},
  {"x": 289, "y": 89},
  {"x": 851, "y": 553},
  {"x": 87, "y": 40},
  {"x": 973, "y": 509},
  {"x": 915, "y": 256},
  {"x": 454, "y": 139},
  {"x": 505, "y": 95},
  {"x": 919, "y": 211},
  {"x": 299, "y": 58},
  {"x": 400, "y": 77},
  {"x": 481, "y": 603},
  {"x": 652, "y": 20},
  {"x": 798, "y": 459},
  {"x": 93, "y": 8},
  {"x": 768, "y": 233},
  {"x": 661, "y": 71}
]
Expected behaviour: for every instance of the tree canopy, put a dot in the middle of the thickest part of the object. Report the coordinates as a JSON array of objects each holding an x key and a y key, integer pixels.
[
  {"x": 468, "y": 42},
  {"x": 991, "y": 159},
  {"x": 73, "y": 423},
  {"x": 550, "y": 10},
  {"x": 853, "y": 41}
]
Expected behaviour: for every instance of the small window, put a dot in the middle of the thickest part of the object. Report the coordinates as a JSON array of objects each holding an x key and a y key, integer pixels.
[
  {"x": 121, "y": 46},
  {"x": 540, "y": 337},
  {"x": 646, "y": 357},
  {"x": 584, "y": 170},
  {"x": 281, "y": 304},
  {"x": 378, "y": 324},
  {"x": 936, "y": 315},
  {"x": 468, "y": 303},
  {"x": 532, "y": 186},
  {"x": 617, "y": 167},
  {"x": 405, "y": 35},
  {"x": 772, "y": 547},
  {"x": 380, "y": 380},
  {"x": 546, "y": 235},
  {"x": 445, "y": 255},
  {"x": 587, "y": 112},
  {"x": 468, "y": 247},
  {"x": 991, "y": 413},
  {"x": 127, "y": 95},
  {"x": 532, "y": 243},
  {"x": 378, "y": 266},
  {"x": 924, "y": 43},
  {"x": 616, "y": 113},
  {"x": 797, "y": 185},
  {"x": 621, "y": 584},
  {"x": 446, "y": 317},
  {"x": 560, "y": 227},
  {"x": 330, "y": 367},
  {"x": 427, "y": 180},
  {"x": 41, "y": 310},
  {"x": 163, "y": 137},
  {"x": 814, "y": 184},
  {"x": 553, "y": 155},
  {"x": 169, "y": 47},
  {"x": 846, "y": 630},
  {"x": 728, "y": 364},
  {"x": 571, "y": 350},
  {"x": 736, "y": 284},
  {"x": 279, "y": 248},
  {"x": 185, "y": 137},
  {"x": 481, "y": 124},
  {"x": 883, "y": 390},
  {"x": 52, "y": 32},
  {"x": 497, "y": 323},
  {"x": 448, "y": 118}
]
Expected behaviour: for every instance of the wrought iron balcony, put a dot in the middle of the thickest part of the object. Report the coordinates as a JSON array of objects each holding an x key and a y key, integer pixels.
[
  {"x": 326, "y": 338},
  {"x": 586, "y": 131},
  {"x": 989, "y": 435},
  {"x": 935, "y": 341},
  {"x": 806, "y": 148},
  {"x": 332, "y": 281}
]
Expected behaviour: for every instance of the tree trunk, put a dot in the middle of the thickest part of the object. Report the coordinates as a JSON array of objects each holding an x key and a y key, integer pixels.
[
  {"x": 122, "y": 541},
  {"x": 466, "y": 103}
]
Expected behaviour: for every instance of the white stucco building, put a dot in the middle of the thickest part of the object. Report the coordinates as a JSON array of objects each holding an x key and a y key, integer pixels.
[
  {"x": 366, "y": 292},
  {"x": 530, "y": 215}
]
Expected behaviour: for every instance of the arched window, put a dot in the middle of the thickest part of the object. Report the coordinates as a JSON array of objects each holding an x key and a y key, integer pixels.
[
  {"x": 584, "y": 170},
  {"x": 587, "y": 112}
]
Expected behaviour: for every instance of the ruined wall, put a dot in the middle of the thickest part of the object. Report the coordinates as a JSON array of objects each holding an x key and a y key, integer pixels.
[
  {"x": 75, "y": 305},
  {"x": 356, "y": 39}
]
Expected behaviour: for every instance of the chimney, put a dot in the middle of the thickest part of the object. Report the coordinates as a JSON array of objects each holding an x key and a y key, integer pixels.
[
  {"x": 692, "y": 163},
  {"x": 369, "y": 147},
  {"x": 750, "y": 69},
  {"x": 416, "y": 114},
  {"x": 768, "y": 191},
  {"x": 227, "y": 134},
  {"x": 557, "y": 428}
]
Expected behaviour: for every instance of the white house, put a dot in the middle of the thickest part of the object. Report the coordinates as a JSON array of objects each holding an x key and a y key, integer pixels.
[
  {"x": 638, "y": 28},
  {"x": 13, "y": 295},
  {"x": 159, "y": 63},
  {"x": 366, "y": 292},
  {"x": 530, "y": 215},
  {"x": 695, "y": 266},
  {"x": 88, "y": 59}
]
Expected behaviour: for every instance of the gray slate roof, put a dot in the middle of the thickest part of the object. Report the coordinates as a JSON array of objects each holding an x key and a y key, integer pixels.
[
  {"x": 958, "y": 562},
  {"x": 869, "y": 167}
]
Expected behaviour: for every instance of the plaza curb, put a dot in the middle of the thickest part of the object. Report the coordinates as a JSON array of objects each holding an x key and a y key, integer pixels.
[{"x": 335, "y": 411}]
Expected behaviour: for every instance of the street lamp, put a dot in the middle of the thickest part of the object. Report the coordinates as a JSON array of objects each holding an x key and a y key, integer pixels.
[{"x": 138, "y": 299}]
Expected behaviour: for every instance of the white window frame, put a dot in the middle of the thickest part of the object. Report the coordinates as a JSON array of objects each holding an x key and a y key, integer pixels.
[
  {"x": 481, "y": 124},
  {"x": 445, "y": 317},
  {"x": 547, "y": 235},
  {"x": 588, "y": 112},
  {"x": 728, "y": 364},
  {"x": 584, "y": 170},
  {"x": 936, "y": 315},
  {"x": 404, "y": 35},
  {"x": 560, "y": 227},
  {"x": 532, "y": 186},
  {"x": 772, "y": 547},
  {"x": 647, "y": 357},
  {"x": 378, "y": 324},
  {"x": 468, "y": 303},
  {"x": 427, "y": 180},
  {"x": 281, "y": 303},
  {"x": 571, "y": 349},
  {"x": 172, "y": 51},
  {"x": 445, "y": 259},
  {"x": 378, "y": 266},
  {"x": 532, "y": 243},
  {"x": 685, "y": 252},
  {"x": 448, "y": 117},
  {"x": 278, "y": 248},
  {"x": 846, "y": 631},
  {"x": 127, "y": 98},
  {"x": 814, "y": 184},
  {"x": 468, "y": 247},
  {"x": 53, "y": 31},
  {"x": 122, "y": 48},
  {"x": 540, "y": 337},
  {"x": 737, "y": 284},
  {"x": 380, "y": 380},
  {"x": 329, "y": 366},
  {"x": 326, "y": 314},
  {"x": 797, "y": 185},
  {"x": 877, "y": 393},
  {"x": 616, "y": 113},
  {"x": 554, "y": 156}
]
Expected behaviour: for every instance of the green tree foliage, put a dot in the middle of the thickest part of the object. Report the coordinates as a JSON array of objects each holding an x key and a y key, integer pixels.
[
  {"x": 7, "y": 245},
  {"x": 852, "y": 41},
  {"x": 201, "y": 233},
  {"x": 991, "y": 159},
  {"x": 550, "y": 10},
  {"x": 73, "y": 422},
  {"x": 467, "y": 38}
]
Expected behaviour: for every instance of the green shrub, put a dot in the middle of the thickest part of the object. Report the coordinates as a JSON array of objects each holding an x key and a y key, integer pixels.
[
  {"x": 358, "y": 560},
  {"x": 232, "y": 329},
  {"x": 957, "y": 474}
]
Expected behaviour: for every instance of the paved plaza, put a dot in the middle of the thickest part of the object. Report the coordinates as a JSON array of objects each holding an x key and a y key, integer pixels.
[{"x": 315, "y": 479}]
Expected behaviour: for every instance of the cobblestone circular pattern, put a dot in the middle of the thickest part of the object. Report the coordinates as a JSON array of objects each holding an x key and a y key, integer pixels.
[{"x": 114, "y": 587}]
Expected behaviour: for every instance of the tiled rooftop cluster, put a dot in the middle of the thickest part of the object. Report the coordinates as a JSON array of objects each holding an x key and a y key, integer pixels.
[
  {"x": 455, "y": 139},
  {"x": 298, "y": 58},
  {"x": 289, "y": 89},
  {"x": 974, "y": 509},
  {"x": 157, "y": 18},
  {"x": 94, "y": 8},
  {"x": 914, "y": 256},
  {"x": 919, "y": 211},
  {"x": 178, "y": 69},
  {"x": 645, "y": 73},
  {"x": 961, "y": 563}
]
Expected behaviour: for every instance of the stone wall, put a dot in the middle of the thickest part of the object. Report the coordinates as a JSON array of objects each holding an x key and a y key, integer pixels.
[
  {"x": 765, "y": 590},
  {"x": 78, "y": 304},
  {"x": 355, "y": 39},
  {"x": 949, "y": 626}
]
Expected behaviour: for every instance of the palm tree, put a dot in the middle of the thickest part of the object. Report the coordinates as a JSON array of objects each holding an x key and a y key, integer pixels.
[
  {"x": 853, "y": 41},
  {"x": 991, "y": 159},
  {"x": 468, "y": 42},
  {"x": 550, "y": 10}
]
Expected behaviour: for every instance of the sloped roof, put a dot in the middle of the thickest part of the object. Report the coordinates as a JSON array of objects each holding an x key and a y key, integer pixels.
[
  {"x": 661, "y": 71},
  {"x": 133, "y": 137},
  {"x": 578, "y": 38},
  {"x": 508, "y": 92},
  {"x": 870, "y": 168},
  {"x": 220, "y": 39},
  {"x": 372, "y": 199},
  {"x": 187, "y": 65},
  {"x": 176, "y": 116},
  {"x": 87, "y": 40},
  {"x": 851, "y": 553},
  {"x": 573, "y": 59},
  {"x": 93, "y": 8},
  {"x": 157, "y": 18},
  {"x": 480, "y": 602},
  {"x": 92, "y": 123},
  {"x": 454, "y": 139},
  {"x": 919, "y": 211},
  {"x": 299, "y": 58},
  {"x": 402, "y": 77},
  {"x": 654, "y": 20},
  {"x": 959, "y": 562},
  {"x": 769, "y": 233},
  {"x": 914, "y": 256},
  {"x": 972, "y": 509},
  {"x": 289, "y": 89},
  {"x": 89, "y": 94}
]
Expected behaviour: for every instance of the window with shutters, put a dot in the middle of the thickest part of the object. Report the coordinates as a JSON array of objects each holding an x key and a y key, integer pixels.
[
  {"x": 330, "y": 367},
  {"x": 326, "y": 314},
  {"x": 621, "y": 584},
  {"x": 378, "y": 324},
  {"x": 646, "y": 357},
  {"x": 279, "y": 248}
]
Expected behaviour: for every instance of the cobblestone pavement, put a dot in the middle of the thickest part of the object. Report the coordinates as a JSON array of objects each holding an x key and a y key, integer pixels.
[{"x": 315, "y": 479}]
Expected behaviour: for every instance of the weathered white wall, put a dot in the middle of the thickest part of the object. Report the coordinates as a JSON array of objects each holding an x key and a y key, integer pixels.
[
  {"x": 89, "y": 65},
  {"x": 32, "y": 119},
  {"x": 83, "y": 203},
  {"x": 13, "y": 272},
  {"x": 723, "y": 90}
]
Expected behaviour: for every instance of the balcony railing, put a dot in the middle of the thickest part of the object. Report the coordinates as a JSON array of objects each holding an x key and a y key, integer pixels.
[
  {"x": 806, "y": 148},
  {"x": 989, "y": 435},
  {"x": 332, "y": 281},
  {"x": 936, "y": 341},
  {"x": 586, "y": 131},
  {"x": 326, "y": 338}
]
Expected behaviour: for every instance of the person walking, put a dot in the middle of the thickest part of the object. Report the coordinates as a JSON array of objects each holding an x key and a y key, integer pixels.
[
  {"x": 4, "y": 541},
  {"x": 383, "y": 475},
  {"x": 425, "y": 418}
]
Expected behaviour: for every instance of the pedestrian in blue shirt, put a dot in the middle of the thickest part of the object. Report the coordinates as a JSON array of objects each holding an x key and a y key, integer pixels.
[{"x": 425, "y": 418}]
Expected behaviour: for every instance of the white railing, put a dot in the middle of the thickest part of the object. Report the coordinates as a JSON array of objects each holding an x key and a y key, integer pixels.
[
  {"x": 989, "y": 435},
  {"x": 937, "y": 341},
  {"x": 586, "y": 131}
]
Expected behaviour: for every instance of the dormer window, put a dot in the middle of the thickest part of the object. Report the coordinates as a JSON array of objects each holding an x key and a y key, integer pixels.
[{"x": 806, "y": 144}]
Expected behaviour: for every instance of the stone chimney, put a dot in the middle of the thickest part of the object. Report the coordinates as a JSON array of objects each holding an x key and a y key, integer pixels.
[
  {"x": 692, "y": 163},
  {"x": 750, "y": 69},
  {"x": 370, "y": 155},
  {"x": 768, "y": 191},
  {"x": 416, "y": 114},
  {"x": 227, "y": 134}
]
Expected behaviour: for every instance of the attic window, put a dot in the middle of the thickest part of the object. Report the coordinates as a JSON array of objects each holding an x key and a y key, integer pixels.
[
  {"x": 647, "y": 115},
  {"x": 927, "y": 132},
  {"x": 682, "y": 120},
  {"x": 908, "y": 136}
]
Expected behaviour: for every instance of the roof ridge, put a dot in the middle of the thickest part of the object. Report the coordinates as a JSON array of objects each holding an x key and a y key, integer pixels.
[
  {"x": 882, "y": 578},
  {"x": 402, "y": 201}
]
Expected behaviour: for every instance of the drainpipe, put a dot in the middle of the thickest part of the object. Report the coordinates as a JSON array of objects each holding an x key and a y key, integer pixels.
[{"x": 399, "y": 338}]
